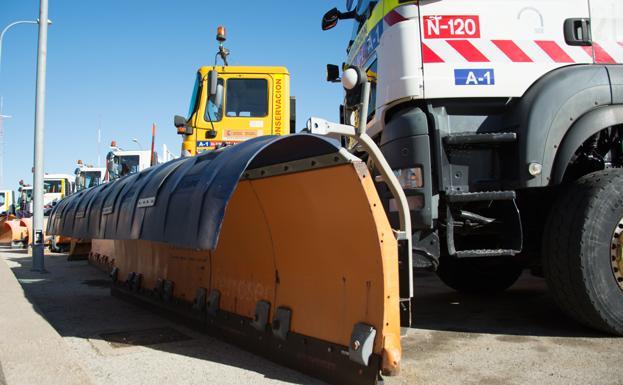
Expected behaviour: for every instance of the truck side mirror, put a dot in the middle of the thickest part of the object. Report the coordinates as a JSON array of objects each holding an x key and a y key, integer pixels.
[
  {"x": 182, "y": 126},
  {"x": 333, "y": 73},
  {"x": 329, "y": 20},
  {"x": 179, "y": 121},
  {"x": 212, "y": 82}
]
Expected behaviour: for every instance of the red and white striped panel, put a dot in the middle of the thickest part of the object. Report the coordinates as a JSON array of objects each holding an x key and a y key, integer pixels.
[{"x": 518, "y": 51}]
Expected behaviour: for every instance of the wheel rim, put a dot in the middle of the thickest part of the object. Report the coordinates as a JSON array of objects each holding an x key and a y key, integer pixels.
[{"x": 616, "y": 253}]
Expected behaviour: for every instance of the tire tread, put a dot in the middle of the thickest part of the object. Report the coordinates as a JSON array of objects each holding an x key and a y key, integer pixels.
[{"x": 565, "y": 247}]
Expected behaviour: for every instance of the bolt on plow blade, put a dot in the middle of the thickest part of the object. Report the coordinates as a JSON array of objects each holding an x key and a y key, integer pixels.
[{"x": 279, "y": 245}]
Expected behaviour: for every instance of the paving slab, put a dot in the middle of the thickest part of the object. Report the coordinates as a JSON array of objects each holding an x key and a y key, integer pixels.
[{"x": 31, "y": 351}]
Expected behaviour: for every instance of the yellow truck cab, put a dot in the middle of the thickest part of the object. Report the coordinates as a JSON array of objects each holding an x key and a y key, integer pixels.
[
  {"x": 231, "y": 104},
  {"x": 7, "y": 201}
]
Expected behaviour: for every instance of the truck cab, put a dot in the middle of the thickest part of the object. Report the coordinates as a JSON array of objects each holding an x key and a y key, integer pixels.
[
  {"x": 120, "y": 163},
  {"x": 230, "y": 104},
  {"x": 494, "y": 115},
  {"x": 57, "y": 187},
  {"x": 88, "y": 176},
  {"x": 7, "y": 202}
]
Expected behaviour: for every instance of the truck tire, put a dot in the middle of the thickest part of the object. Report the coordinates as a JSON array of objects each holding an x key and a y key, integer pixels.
[
  {"x": 478, "y": 275},
  {"x": 582, "y": 250}
]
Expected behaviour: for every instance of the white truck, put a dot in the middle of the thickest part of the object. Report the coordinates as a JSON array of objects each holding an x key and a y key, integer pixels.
[
  {"x": 504, "y": 122},
  {"x": 88, "y": 176},
  {"x": 57, "y": 187},
  {"x": 121, "y": 162}
]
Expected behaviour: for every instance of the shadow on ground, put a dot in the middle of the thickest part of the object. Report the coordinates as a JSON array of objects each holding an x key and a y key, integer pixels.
[
  {"x": 525, "y": 309},
  {"x": 75, "y": 299}
]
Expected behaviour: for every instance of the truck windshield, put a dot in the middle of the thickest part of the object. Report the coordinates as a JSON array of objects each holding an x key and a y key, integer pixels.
[
  {"x": 92, "y": 178},
  {"x": 364, "y": 9},
  {"x": 88, "y": 179},
  {"x": 247, "y": 98},
  {"x": 127, "y": 164},
  {"x": 52, "y": 186},
  {"x": 2, "y": 199}
]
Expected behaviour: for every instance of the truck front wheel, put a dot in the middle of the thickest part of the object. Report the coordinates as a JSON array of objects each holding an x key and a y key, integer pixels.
[{"x": 583, "y": 250}]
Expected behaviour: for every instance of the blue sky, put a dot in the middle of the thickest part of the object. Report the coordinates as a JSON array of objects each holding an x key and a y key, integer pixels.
[{"x": 131, "y": 63}]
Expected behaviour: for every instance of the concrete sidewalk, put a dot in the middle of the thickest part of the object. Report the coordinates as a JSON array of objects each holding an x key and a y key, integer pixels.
[{"x": 31, "y": 351}]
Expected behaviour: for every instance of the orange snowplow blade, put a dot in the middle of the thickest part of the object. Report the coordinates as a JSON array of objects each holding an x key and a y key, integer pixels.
[
  {"x": 12, "y": 233},
  {"x": 305, "y": 264},
  {"x": 331, "y": 261},
  {"x": 101, "y": 254}
]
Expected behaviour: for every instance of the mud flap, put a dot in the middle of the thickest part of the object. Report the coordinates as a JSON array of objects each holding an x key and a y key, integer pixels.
[{"x": 278, "y": 244}]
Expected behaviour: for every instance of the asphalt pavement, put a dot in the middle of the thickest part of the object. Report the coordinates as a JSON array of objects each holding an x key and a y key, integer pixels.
[{"x": 516, "y": 337}]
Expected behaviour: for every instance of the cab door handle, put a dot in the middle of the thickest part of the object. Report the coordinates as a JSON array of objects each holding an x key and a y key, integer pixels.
[{"x": 578, "y": 32}]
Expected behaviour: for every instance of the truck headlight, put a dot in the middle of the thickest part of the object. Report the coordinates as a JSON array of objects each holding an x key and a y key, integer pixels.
[{"x": 410, "y": 178}]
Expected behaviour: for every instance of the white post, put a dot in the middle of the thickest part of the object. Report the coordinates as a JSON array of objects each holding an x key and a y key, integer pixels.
[{"x": 37, "y": 223}]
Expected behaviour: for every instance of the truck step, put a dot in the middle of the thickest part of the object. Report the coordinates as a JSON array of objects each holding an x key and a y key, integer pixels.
[
  {"x": 485, "y": 253},
  {"x": 471, "y": 139},
  {"x": 463, "y": 197}
]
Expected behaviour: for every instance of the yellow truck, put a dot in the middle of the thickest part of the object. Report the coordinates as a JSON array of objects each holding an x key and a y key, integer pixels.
[
  {"x": 7, "y": 200},
  {"x": 231, "y": 104}
]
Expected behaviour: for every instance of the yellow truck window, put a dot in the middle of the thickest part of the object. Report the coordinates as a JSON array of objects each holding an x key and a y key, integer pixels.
[
  {"x": 194, "y": 99},
  {"x": 246, "y": 98}
]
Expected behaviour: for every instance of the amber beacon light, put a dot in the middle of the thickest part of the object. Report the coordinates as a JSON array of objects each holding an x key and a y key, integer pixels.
[{"x": 220, "y": 34}]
